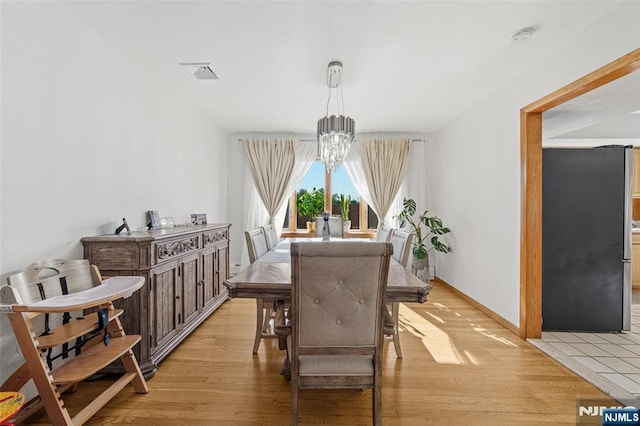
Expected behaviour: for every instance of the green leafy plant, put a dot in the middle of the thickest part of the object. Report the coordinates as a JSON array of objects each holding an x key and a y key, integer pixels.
[
  {"x": 310, "y": 203},
  {"x": 345, "y": 204},
  {"x": 434, "y": 229}
]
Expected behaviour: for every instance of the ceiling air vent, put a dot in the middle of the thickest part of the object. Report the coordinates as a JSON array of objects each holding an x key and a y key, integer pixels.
[{"x": 200, "y": 70}]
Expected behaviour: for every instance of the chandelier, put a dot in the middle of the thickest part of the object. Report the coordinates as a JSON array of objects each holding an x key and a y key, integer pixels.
[{"x": 335, "y": 133}]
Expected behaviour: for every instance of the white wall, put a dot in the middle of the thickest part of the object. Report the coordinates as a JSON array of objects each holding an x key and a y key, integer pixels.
[
  {"x": 87, "y": 138},
  {"x": 474, "y": 167}
]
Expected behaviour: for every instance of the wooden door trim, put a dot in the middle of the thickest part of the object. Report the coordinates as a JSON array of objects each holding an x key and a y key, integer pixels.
[{"x": 531, "y": 184}]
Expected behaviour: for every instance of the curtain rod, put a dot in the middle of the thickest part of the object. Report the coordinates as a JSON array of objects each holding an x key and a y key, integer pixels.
[{"x": 315, "y": 140}]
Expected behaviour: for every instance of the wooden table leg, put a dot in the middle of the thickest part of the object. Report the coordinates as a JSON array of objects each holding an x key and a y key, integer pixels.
[
  {"x": 283, "y": 330},
  {"x": 389, "y": 324}
]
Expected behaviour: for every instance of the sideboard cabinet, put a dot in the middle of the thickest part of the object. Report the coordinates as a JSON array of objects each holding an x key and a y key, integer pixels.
[{"x": 184, "y": 269}]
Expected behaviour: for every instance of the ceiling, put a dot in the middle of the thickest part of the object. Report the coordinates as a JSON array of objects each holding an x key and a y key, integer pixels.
[
  {"x": 608, "y": 114},
  {"x": 408, "y": 66}
]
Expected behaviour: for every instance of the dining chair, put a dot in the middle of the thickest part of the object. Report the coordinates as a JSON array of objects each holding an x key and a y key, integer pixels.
[
  {"x": 257, "y": 246},
  {"x": 401, "y": 242},
  {"x": 271, "y": 236},
  {"x": 336, "y": 229},
  {"x": 383, "y": 233},
  {"x": 337, "y": 314}
]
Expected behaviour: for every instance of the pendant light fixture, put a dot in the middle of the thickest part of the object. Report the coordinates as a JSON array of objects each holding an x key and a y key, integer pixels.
[{"x": 335, "y": 132}]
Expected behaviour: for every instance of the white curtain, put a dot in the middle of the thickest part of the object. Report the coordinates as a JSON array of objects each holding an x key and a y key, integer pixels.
[
  {"x": 354, "y": 171},
  {"x": 304, "y": 153},
  {"x": 271, "y": 163},
  {"x": 377, "y": 167}
]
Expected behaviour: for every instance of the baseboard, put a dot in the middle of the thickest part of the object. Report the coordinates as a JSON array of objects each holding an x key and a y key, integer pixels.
[{"x": 500, "y": 320}]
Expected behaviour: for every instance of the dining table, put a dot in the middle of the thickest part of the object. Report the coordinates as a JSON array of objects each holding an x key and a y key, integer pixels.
[{"x": 269, "y": 279}]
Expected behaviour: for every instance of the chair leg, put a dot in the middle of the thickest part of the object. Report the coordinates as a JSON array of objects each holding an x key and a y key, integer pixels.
[
  {"x": 396, "y": 337},
  {"x": 266, "y": 313},
  {"x": 376, "y": 402},
  {"x": 128, "y": 359},
  {"x": 270, "y": 312},
  {"x": 259, "y": 324},
  {"x": 39, "y": 370},
  {"x": 294, "y": 402}
]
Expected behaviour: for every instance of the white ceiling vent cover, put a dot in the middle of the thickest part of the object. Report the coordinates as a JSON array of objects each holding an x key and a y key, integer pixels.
[{"x": 200, "y": 70}]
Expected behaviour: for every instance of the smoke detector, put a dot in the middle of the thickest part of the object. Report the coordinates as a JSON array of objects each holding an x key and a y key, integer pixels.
[
  {"x": 200, "y": 70},
  {"x": 522, "y": 35}
]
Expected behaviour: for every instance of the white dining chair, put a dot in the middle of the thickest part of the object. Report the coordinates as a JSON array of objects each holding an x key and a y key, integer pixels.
[
  {"x": 257, "y": 247},
  {"x": 271, "y": 236},
  {"x": 336, "y": 229},
  {"x": 383, "y": 233},
  {"x": 401, "y": 242},
  {"x": 256, "y": 244}
]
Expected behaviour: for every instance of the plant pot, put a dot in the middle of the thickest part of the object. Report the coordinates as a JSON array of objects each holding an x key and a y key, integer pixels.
[
  {"x": 311, "y": 227},
  {"x": 420, "y": 268},
  {"x": 346, "y": 226}
]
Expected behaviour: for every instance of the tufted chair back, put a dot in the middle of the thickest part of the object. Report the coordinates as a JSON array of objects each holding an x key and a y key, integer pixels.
[{"x": 338, "y": 300}]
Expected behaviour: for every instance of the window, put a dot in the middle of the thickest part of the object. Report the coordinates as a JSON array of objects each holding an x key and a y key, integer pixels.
[{"x": 329, "y": 187}]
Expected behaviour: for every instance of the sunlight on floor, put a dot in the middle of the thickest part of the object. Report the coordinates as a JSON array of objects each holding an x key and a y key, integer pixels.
[
  {"x": 484, "y": 332},
  {"x": 434, "y": 339},
  {"x": 440, "y": 320}
]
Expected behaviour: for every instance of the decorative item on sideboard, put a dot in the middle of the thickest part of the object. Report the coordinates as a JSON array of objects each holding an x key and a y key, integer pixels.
[
  {"x": 123, "y": 226},
  {"x": 167, "y": 222},
  {"x": 199, "y": 218},
  {"x": 154, "y": 219}
]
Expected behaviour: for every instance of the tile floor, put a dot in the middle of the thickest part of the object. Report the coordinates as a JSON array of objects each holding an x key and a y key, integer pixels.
[{"x": 610, "y": 361}]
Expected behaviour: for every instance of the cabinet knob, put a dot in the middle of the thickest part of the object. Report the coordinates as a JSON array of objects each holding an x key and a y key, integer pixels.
[{"x": 178, "y": 297}]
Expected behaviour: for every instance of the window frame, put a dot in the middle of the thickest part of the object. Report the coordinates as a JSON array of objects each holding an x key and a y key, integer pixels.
[{"x": 293, "y": 231}]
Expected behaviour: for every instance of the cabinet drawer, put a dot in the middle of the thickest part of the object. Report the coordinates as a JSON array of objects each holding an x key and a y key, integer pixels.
[
  {"x": 176, "y": 248},
  {"x": 116, "y": 256},
  {"x": 215, "y": 236}
]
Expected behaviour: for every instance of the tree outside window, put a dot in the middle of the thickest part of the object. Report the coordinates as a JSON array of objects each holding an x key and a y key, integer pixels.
[{"x": 360, "y": 214}]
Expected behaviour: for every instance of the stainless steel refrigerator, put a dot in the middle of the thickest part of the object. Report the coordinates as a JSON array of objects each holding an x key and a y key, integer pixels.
[{"x": 586, "y": 238}]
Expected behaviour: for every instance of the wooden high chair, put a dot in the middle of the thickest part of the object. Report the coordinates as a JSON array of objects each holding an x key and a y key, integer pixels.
[{"x": 50, "y": 291}]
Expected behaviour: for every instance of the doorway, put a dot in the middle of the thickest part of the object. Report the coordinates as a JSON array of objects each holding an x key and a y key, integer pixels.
[{"x": 531, "y": 185}]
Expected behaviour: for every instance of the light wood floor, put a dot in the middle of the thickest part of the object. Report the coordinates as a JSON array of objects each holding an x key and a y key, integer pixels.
[{"x": 459, "y": 367}]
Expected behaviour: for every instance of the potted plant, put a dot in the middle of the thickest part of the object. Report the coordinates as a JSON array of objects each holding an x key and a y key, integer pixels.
[
  {"x": 310, "y": 204},
  {"x": 434, "y": 229},
  {"x": 345, "y": 204}
]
